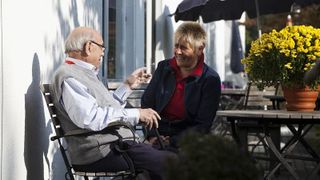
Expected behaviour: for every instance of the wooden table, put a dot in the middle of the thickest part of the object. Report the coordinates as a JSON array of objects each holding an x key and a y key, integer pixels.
[{"x": 303, "y": 120}]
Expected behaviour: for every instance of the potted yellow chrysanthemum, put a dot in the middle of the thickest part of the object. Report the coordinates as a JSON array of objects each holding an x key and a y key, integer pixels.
[{"x": 284, "y": 56}]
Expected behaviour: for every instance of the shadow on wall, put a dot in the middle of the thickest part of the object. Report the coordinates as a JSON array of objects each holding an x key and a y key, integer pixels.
[
  {"x": 36, "y": 130},
  {"x": 68, "y": 18},
  {"x": 65, "y": 26},
  {"x": 165, "y": 41},
  {"x": 167, "y": 34},
  {"x": 93, "y": 9}
]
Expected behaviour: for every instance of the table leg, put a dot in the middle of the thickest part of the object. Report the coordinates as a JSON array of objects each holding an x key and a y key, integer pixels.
[
  {"x": 233, "y": 130},
  {"x": 275, "y": 135},
  {"x": 281, "y": 159},
  {"x": 243, "y": 139},
  {"x": 288, "y": 148},
  {"x": 238, "y": 136},
  {"x": 298, "y": 135},
  {"x": 269, "y": 129}
]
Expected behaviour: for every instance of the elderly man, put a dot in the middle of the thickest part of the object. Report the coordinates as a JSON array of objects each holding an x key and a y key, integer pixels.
[{"x": 85, "y": 105}]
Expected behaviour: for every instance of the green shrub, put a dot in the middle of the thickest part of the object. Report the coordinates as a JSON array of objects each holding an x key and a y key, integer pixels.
[{"x": 210, "y": 157}]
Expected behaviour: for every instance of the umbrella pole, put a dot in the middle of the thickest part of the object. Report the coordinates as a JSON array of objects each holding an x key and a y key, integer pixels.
[{"x": 258, "y": 18}]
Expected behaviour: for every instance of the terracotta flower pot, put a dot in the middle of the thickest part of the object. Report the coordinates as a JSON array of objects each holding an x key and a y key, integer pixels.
[{"x": 300, "y": 99}]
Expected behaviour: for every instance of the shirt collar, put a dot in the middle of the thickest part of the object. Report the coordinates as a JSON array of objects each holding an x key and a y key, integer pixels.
[
  {"x": 83, "y": 64},
  {"x": 196, "y": 72}
]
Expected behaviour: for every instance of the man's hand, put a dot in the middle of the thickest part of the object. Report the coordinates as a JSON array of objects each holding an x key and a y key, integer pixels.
[
  {"x": 149, "y": 117},
  {"x": 139, "y": 76}
]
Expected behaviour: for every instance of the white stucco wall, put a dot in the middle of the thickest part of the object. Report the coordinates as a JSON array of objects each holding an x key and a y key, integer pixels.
[{"x": 33, "y": 34}]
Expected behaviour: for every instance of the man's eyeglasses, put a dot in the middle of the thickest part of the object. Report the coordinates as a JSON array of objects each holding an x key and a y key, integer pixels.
[{"x": 100, "y": 45}]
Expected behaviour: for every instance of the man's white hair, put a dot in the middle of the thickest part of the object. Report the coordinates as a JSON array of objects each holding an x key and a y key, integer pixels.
[{"x": 77, "y": 39}]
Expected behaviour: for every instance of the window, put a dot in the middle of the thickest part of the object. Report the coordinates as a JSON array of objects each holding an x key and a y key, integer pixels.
[
  {"x": 124, "y": 36},
  {"x": 111, "y": 64}
]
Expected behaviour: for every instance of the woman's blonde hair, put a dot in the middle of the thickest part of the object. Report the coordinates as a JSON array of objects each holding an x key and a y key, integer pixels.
[{"x": 192, "y": 33}]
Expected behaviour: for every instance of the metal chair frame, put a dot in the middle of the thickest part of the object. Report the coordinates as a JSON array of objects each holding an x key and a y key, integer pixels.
[{"x": 71, "y": 172}]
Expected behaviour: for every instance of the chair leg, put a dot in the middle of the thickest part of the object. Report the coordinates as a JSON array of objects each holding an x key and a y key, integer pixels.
[{"x": 86, "y": 178}]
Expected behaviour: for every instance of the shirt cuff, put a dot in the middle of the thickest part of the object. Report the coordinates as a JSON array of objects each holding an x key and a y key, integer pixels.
[
  {"x": 123, "y": 92},
  {"x": 134, "y": 115}
]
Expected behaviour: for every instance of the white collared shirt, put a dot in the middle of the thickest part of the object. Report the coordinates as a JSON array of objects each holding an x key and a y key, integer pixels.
[{"x": 83, "y": 109}]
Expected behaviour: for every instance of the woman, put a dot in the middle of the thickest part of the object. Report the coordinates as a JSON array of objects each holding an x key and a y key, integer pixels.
[{"x": 184, "y": 90}]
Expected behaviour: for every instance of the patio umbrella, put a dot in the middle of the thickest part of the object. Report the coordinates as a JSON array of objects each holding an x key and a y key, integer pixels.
[{"x": 213, "y": 10}]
